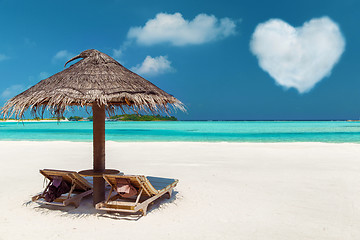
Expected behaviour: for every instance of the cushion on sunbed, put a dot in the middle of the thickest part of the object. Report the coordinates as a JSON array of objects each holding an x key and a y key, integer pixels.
[
  {"x": 124, "y": 188},
  {"x": 56, "y": 189},
  {"x": 57, "y": 181}
]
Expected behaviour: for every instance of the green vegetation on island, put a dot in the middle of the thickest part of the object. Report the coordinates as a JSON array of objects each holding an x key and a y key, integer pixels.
[
  {"x": 75, "y": 118},
  {"x": 136, "y": 117},
  {"x": 128, "y": 117}
]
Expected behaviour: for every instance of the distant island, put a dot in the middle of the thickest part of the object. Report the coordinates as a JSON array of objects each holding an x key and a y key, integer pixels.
[
  {"x": 128, "y": 117},
  {"x": 124, "y": 117}
]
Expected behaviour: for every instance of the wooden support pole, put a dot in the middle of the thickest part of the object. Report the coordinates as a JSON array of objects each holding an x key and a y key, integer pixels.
[{"x": 99, "y": 151}]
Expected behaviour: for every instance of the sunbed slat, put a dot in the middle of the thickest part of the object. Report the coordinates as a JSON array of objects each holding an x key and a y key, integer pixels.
[
  {"x": 80, "y": 186},
  {"x": 153, "y": 188}
]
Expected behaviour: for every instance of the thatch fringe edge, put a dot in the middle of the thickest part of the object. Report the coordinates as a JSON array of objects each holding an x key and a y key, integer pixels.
[{"x": 59, "y": 103}]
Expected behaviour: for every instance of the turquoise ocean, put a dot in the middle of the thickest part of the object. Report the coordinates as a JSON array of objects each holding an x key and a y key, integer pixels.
[{"x": 196, "y": 131}]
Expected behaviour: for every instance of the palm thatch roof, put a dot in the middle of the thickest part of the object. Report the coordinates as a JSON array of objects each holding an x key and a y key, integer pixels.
[{"x": 97, "y": 78}]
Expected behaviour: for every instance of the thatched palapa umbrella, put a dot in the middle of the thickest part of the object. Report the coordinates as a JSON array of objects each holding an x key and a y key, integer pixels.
[{"x": 97, "y": 81}]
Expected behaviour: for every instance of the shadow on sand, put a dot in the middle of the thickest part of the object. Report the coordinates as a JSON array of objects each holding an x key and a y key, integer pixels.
[{"x": 86, "y": 209}]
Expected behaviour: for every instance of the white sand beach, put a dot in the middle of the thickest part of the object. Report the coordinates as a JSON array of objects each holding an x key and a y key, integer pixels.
[{"x": 252, "y": 191}]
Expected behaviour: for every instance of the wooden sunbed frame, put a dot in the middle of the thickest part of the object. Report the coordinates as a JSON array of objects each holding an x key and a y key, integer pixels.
[
  {"x": 80, "y": 188},
  {"x": 147, "y": 193}
]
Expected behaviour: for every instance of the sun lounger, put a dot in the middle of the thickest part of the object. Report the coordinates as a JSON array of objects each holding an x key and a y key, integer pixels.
[
  {"x": 79, "y": 188},
  {"x": 148, "y": 190}
]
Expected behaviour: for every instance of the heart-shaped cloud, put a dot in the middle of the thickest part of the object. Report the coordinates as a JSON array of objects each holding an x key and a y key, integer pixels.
[{"x": 298, "y": 57}]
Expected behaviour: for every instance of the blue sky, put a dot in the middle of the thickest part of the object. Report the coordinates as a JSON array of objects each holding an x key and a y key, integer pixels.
[{"x": 225, "y": 60}]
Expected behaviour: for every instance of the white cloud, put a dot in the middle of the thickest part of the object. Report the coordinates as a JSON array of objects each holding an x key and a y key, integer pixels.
[
  {"x": 117, "y": 53},
  {"x": 174, "y": 29},
  {"x": 3, "y": 57},
  {"x": 63, "y": 55},
  {"x": 153, "y": 66},
  {"x": 298, "y": 57},
  {"x": 44, "y": 75},
  {"x": 12, "y": 91}
]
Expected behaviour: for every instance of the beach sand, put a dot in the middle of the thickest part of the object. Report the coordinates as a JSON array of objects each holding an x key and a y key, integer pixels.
[{"x": 225, "y": 191}]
